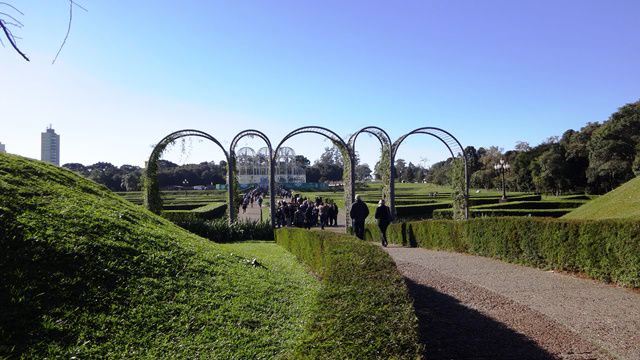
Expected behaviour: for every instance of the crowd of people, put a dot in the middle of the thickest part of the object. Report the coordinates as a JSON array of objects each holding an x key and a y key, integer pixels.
[
  {"x": 297, "y": 211},
  {"x": 253, "y": 196},
  {"x": 304, "y": 213}
]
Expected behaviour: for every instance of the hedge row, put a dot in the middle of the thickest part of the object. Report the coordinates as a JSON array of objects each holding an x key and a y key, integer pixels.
[
  {"x": 560, "y": 204},
  {"x": 477, "y": 213},
  {"x": 220, "y": 231},
  {"x": 363, "y": 310},
  {"x": 607, "y": 250},
  {"x": 207, "y": 212},
  {"x": 420, "y": 211},
  {"x": 475, "y": 201}
]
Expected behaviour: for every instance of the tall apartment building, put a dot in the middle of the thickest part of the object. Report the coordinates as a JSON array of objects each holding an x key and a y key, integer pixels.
[
  {"x": 50, "y": 147},
  {"x": 2, "y": 149}
]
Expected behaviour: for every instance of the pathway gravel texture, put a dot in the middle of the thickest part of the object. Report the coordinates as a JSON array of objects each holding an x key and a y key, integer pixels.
[{"x": 471, "y": 307}]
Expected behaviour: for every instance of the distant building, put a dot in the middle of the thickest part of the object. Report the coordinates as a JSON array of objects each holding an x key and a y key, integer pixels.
[
  {"x": 2, "y": 149},
  {"x": 50, "y": 147},
  {"x": 253, "y": 167}
]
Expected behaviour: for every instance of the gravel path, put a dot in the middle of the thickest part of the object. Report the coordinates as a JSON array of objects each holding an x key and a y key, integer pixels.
[{"x": 472, "y": 307}]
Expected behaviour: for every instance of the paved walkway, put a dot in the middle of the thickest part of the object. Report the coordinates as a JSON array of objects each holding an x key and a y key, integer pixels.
[{"x": 472, "y": 307}]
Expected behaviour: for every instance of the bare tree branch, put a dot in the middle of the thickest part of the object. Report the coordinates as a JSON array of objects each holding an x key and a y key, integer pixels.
[
  {"x": 66, "y": 36},
  {"x": 13, "y": 7},
  {"x": 9, "y": 36},
  {"x": 12, "y": 18},
  {"x": 12, "y": 24}
]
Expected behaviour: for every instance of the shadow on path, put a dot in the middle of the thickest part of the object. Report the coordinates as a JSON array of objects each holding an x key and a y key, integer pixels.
[{"x": 450, "y": 330}]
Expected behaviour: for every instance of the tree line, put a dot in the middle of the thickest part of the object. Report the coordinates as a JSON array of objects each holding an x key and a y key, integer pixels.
[{"x": 595, "y": 159}]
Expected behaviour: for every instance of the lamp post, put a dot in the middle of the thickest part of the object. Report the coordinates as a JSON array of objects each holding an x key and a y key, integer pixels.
[
  {"x": 185, "y": 182},
  {"x": 502, "y": 167}
]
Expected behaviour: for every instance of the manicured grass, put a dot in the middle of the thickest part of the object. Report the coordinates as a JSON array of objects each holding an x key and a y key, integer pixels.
[
  {"x": 621, "y": 203},
  {"x": 363, "y": 310},
  {"x": 87, "y": 274}
]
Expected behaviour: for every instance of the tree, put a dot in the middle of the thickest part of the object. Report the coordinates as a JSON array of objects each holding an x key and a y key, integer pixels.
[
  {"x": 302, "y": 161},
  {"x": 612, "y": 149},
  {"x": 548, "y": 172},
  {"x": 399, "y": 169},
  {"x": 363, "y": 172}
]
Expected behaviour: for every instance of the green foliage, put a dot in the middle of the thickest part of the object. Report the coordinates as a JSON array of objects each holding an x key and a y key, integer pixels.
[
  {"x": 220, "y": 231},
  {"x": 621, "y": 203},
  {"x": 86, "y": 274},
  {"x": 612, "y": 148},
  {"x": 207, "y": 212},
  {"x": 605, "y": 250},
  {"x": 420, "y": 211},
  {"x": 458, "y": 184},
  {"x": 363, "y": 310}
]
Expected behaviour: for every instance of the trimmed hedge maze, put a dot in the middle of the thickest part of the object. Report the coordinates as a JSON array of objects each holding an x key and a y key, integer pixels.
[
  {"x": 606, "y": 250},
  {"x": 363, "y": 310}
]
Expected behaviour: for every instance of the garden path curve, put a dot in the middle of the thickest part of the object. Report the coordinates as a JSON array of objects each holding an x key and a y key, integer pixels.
[{"x": 471, "y": 307}]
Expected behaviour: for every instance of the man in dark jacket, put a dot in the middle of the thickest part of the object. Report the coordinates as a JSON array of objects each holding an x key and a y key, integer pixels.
[
  {"x": 383, "y": 216},
  {"x": 359, "y": 212}
]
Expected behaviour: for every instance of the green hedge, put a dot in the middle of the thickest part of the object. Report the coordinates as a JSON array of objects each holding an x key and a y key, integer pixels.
[
  {"x": 478, "y": 213},
  {"x": 607, "y": 250},
  {"x": 363, "y": 310},
  {"x": 420, "y": 211},
  {"x": 476, "y": 201},
  {"x": 567, "y": 204},
  {"x": 220, "y": 231},
  {"x": 207, "y": 212}
]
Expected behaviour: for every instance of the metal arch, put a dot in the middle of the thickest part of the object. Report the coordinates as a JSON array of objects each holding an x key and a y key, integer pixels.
[
  {"x": 162, "y": 144},
  {"x": 231, "y": 174},
  {"x": 154, "y": 191},
  {"x": 449, "y": 141},
  {"x": 249, "y": 132},
  {"x": 384, "y": 139},
  {"x": 329, "y": 134},
  {"x": 379, "y": 133},
  {"x": 336, "y": 139},
  {"x": 433, "y": 131}
]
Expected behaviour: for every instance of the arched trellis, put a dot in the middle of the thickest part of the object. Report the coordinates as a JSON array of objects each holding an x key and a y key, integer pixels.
[
  {"x": 347, "y": 157},
  {"x": 385, "y": 157},
  {"x": 152, "y": 199},
  {"x": 452, "y": 144},
  {"x": 231, "y": 171}
]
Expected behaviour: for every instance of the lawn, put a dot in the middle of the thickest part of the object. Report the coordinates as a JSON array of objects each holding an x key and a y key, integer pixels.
[
  {"x": 87, "y": 274},
  {"x": 620, "y": 203}
]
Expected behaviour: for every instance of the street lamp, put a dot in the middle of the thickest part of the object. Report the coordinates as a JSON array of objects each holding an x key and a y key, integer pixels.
[
  {"x": 502, "y": 167},
  {"x": 185, "y": 182}
]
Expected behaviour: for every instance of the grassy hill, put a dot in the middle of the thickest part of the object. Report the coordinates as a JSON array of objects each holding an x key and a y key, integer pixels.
[
  {"x": 623, "y": 202},
  {"x": 88, "y": 274}
]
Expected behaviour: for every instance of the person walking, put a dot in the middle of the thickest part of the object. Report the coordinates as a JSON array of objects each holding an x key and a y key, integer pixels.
[
  {"x": 359, "y": 212},
  {"x": 383, "y": 217},
  {"x": 334, "y": 214},
  {"x": 324, "y": 215}
]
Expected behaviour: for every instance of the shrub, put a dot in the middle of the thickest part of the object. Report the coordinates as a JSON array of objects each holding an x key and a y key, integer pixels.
[
  {"x": 420, "y": 211},
  {"x": 207, "y": 212},
  {"x": 363, "y": 309},
  {"x": 478, "y": 213},
  {"x": 607, "y": 250},
  {"x": 220, "y": 231}
]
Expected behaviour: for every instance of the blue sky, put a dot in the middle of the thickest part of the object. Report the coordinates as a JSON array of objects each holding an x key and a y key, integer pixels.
[{"x": 491, "y": 72}]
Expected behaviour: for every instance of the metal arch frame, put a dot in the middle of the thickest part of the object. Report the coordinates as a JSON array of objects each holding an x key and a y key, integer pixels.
[
  {"x": 231, "y": 172},
  {"x": 448, "y": 141},
  {"x": 154, "y": 190},
  {"x": 385, "y": 140},
  {"x": 337, "y": 140}
]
